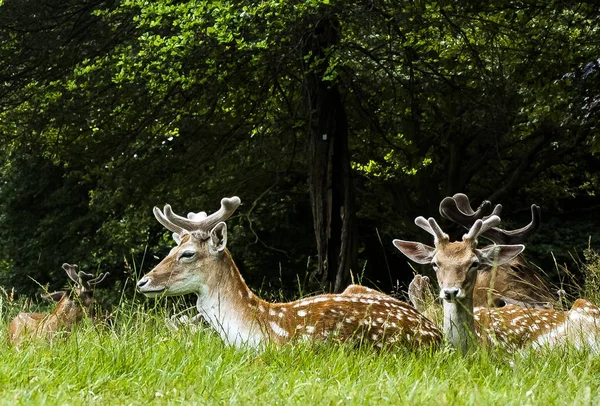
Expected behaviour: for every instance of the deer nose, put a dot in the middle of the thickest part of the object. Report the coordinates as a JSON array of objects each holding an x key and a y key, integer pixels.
[
  {"x": 450, "y": 293},
  {"x": 142, "y": 282}
]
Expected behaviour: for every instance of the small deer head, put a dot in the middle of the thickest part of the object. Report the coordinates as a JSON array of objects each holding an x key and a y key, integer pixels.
[
  {"x": 83, "y": 292},
  {"x": 194, "y": 261},
  {"x": 456, "y": 263}
]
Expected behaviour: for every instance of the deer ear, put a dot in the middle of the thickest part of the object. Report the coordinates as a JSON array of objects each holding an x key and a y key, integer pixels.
[
  {"x": 496, "y": 255},
  {"x": 56, "y": 296},
  {"x": 217, "y": 240},
  {"x": 420, "y": 253}
]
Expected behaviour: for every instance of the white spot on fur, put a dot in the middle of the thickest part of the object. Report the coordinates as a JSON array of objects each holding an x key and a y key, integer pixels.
[
  {"x": 277, "y": 329},
  {"x": 301, "y": 313}
]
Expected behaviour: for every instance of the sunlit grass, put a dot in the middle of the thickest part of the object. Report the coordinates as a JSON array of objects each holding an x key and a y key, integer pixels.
[{"x": 138, "y": 360}]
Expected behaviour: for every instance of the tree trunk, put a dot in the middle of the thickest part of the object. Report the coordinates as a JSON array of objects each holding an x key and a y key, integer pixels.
[{"x": 330, "y": 181}]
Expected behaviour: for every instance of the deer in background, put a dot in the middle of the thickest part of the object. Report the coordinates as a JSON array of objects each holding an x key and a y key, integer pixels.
[
  {"x": 515, "y": 282},
  {"x": 71, "y": 308},
  {"x": 201, "y": 264},
  {"x": 457, "y": 265}
]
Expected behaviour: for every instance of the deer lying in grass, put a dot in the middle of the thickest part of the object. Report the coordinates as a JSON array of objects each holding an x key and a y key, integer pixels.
[
  {"x": 201, "y": 264},
  {"x": 457, "y": 264},
  {"x": 71, "y": 308}
]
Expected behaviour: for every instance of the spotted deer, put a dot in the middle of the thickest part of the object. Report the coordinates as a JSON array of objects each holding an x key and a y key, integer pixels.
[
  {"x": 457, "y": 264},
  {"x": 514, "y": 282},
  {"x": 71, "y": 308},
  {"x": 202, "y": 264}
]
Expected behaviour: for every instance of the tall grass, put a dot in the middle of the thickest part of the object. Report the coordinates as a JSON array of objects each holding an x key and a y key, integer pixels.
[{"x": 137, "y": 360}]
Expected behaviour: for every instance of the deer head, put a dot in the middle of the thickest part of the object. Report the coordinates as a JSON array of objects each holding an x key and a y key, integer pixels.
[
  {"x": 202, "y": 241},
  {"x": 516, "y": 282},
  {"x": 83, "y": 290},
  {"x": 456, "y": 265},
  {"x": 72, "y": 304}
]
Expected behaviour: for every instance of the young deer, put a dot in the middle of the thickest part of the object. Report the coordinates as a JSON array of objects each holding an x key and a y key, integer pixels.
[
  {"x": 201, "y": 264},
  {"x": 456, "y": 265},
  {"x": 71, "y": 308}
]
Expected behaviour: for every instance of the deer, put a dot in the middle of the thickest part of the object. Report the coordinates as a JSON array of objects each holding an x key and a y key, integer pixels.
[
  {"x": 515, "y": 282},
  {"x": 72, "y": 306},
  {"x": 457, "y": 264},
  {"x": 201, "y": 264}
]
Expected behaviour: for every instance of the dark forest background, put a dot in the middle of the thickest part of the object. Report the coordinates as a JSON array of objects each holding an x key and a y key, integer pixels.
[{"x": 336, "y": 122}]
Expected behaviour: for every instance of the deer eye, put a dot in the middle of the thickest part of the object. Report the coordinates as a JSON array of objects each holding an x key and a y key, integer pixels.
[{"x": 187, "y": 255}]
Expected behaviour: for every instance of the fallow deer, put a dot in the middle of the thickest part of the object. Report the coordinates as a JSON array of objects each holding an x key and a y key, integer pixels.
[
  {"x": 202, "y": 264},
  {"x": 456, "y": 265},
  {"x": 71, "y": 308},
  {"x": 515, "y": 282}
]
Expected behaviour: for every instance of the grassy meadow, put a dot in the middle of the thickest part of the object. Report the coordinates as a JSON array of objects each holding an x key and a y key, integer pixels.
[{"x": 138, "y": 360}]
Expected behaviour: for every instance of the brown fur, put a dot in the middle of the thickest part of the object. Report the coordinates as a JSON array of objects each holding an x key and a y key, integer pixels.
[
  {"x": 66, "y": 314},
  {"x": 71, "y": 308}
]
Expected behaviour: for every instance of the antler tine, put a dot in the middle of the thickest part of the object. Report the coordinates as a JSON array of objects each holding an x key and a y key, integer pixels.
[
  {"x": 228, "y": 206},
  {"x": 459, "y": 210},
  {"x": 87, "y": 280},
  {"x": 98, "y": 278},
  {"x": 432, "y": 227},
  {"x": 197, "y": 216},
  {"x": 162, "y": 219},
  {"x": 463, "y": 204},
  {"x": 205, "y": 224},
  {"x": 479, "y": 227},
  {"x": 71, "y": 271},
  {"x": 518, "y": 236}
]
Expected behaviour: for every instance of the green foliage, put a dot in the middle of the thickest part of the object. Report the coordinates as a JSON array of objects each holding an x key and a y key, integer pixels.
[{"x": 110, "y": 108}]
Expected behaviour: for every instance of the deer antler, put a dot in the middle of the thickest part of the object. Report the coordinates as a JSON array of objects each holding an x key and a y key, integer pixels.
[
  {"x": 87, "y": 280},
  {"x": 196, "y": 221},
  {"x": 433, "y": 228},
  {"x": 480, "y": 227},
  {"x": 71, "y": 271},
  {"x": 459, "y": 210},
  {"x": 83, "y": 279}
]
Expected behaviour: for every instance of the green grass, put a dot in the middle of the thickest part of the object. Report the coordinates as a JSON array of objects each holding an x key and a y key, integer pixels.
[{"x": 139, "y": 361}]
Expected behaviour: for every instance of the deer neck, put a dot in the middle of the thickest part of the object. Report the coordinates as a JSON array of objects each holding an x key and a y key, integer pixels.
[
  {"x": 231, "y": 308},
  {"x": 459, "y": 324}
]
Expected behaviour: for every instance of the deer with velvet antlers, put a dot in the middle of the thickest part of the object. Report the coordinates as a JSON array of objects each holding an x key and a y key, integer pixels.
[
  {"x": 71, "y": 308},
  {"x": 201, "y": 264},
  {"x": 457, "y": 265},
  {"x": 515, "y": 282}
]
